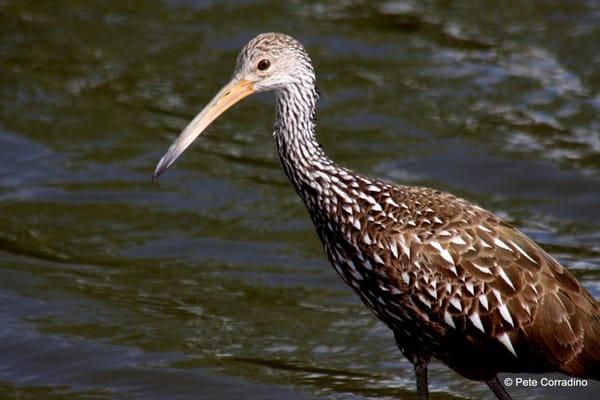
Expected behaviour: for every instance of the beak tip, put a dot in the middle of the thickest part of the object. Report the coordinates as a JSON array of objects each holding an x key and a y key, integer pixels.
[{"x": 160, "y": 168}]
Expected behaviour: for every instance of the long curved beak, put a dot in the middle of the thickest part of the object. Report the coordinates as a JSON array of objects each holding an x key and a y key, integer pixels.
[{"x": 230, "y": 94}]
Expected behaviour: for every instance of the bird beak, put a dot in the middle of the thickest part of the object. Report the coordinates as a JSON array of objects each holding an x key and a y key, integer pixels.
[{"x": 230, "y": 94}]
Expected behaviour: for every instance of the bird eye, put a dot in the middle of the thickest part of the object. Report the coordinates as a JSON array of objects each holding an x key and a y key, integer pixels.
[{"x": 264, "y": 64}]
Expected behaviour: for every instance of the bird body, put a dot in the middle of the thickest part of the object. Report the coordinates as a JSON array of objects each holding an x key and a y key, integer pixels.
[{"x": 451, "y": 280}]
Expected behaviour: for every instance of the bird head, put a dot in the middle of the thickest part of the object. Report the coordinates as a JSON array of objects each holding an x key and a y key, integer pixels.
[{"x": 270, "y": 61}]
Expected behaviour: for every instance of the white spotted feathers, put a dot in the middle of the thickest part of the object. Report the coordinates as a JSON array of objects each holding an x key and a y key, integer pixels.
[
  {"x": 445, "y": 275},
  {"x": 414, "y": 254}
]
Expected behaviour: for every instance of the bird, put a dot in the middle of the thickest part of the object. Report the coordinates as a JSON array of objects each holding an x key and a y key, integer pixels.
[{"x": 451, "y": 280}]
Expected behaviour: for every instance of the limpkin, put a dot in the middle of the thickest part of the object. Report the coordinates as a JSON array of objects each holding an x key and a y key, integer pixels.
[{"x": 450, "y": 279}]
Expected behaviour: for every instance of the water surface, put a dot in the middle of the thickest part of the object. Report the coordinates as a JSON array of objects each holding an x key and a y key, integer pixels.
[{"x": 212, "y": 283}]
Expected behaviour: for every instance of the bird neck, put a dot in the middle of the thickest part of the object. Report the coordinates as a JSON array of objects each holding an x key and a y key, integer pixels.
[{"x": 301, "y": 156}]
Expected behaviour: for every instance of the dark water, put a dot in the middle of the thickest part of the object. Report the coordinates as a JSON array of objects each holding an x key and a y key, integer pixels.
[{"x": 212, "y": 284}]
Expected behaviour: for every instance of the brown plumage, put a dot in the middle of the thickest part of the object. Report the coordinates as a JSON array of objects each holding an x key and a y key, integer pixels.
[
  {"x": 450, "y": 279},
  {"x": 456, "y": 279}
]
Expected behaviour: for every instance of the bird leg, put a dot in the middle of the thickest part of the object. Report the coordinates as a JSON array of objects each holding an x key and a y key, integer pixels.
[
  {"x": 419, "y": 361},
  {"x": 498, "y": 389},
  {"x": 421, "y": 373}
]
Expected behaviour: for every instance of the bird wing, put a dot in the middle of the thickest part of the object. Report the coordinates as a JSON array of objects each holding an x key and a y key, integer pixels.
[{"x": 472, "y": 272}]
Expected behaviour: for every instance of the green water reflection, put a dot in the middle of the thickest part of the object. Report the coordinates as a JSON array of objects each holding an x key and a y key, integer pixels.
[{"x": 212, "y": 283}]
